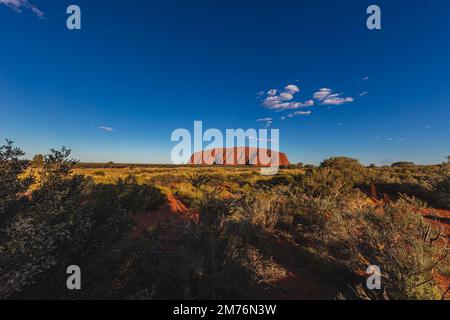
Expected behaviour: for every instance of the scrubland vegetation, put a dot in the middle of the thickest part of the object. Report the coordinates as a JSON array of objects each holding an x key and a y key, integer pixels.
[{"x": 307, "y": 233}]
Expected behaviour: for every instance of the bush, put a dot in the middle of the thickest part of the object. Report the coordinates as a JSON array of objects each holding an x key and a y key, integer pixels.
[
  {"x": 403, "y": 164},
  {"x": 265, "y": 208},
  {"x": 137, "y": 198},
  {"x": 278, "y": 180},
  {"x": 399, "y": 241},
  {"x": 350, "y": 168},
  {"x": 210, "y": 260},
  {"x": 66, "y": 220},
  {"x": 12, "y": 186},
  {"x": 198, "y": 179}
]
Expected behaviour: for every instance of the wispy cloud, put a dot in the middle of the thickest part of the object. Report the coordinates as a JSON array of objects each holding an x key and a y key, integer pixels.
[
  {"x": 19, "y": 5},
  {"x": 326, "y": 96},
  {"x": 109, "y": 129},
  {"x": 366, "y": 78},
  {"x": 362, "y": 94},
  {"x": 295, "y": 114},
  {"x": 267, "y": 122},
  {"x": 284, "y": 99},
  {"x": 302, "y": 113}
]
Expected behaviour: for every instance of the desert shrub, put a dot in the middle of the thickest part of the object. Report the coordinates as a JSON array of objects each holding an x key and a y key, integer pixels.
[
  {"x": 51, "y": 229},
  {"x": 442, "y": 191},
  {"x": 135, "y": 197},
  {"x": 322, "y": 197},
  {"x": 403, "y": 164},
  {"x": 12, "y": 186},
  {"x": 278, "y": 180},
  {"x": 66, "y": 220},
  {"x": 109, "y": 218},
  {"x": 240, "y": 180},
  {"x": 165, "y": 179},
  {"x": 325, "y": 183},
  {"x": 265, "y": 208},
  {"x": 198, "y": 179},
  {"x": 398, "y": 240},
  {"x": 350, "y": 168},
  {"x": 38, "y": 161},
  {"x": 99, "y": 173},
  {"x": 211, "y": 260}
]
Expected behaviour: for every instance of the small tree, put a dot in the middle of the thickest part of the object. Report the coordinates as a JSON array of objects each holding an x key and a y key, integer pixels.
[
  {"x": 12, "y": 186},
  {"x": 38, "y": 161}
]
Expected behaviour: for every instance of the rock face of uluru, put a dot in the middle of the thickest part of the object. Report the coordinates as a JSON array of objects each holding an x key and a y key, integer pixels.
[{"x": 239, "y": 156}]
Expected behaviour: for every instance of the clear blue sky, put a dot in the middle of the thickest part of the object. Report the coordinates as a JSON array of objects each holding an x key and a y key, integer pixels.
[{"x": 145, "y": 68}]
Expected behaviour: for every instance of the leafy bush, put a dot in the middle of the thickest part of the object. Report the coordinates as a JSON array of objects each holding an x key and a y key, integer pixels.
[
  {"x": 136, "y": 198},
  {"x": 65, "y": 220},
  {"x": 12, "y": 186},
  {"x": 398, "y": 240},
  {"x": 265, "y": 208},
  {"x": 350, "y": 168}
]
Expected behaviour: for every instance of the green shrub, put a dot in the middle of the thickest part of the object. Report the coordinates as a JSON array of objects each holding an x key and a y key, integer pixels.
[
  {"x": 350, "y": 168},
  {"x": 278, "y": 180},
  {"x": 12, "y": 186},
  {"x": 66, "y": 219},
  {"x": 136, "y": 198},
  {"x": 403, "y": 246}
]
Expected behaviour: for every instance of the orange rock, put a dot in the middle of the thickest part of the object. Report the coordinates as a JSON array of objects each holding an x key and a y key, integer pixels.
[{"x": 239, "y": 156}]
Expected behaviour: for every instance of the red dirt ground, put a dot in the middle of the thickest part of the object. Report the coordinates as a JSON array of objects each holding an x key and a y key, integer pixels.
[{"x": 173, "y": 210}]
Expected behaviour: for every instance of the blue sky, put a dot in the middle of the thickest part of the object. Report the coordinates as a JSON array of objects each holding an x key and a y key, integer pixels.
[{"x": 141, "y": 69}]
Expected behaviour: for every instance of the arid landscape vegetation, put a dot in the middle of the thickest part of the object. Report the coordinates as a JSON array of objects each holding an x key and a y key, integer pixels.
[{"x": 214, "y": 232}]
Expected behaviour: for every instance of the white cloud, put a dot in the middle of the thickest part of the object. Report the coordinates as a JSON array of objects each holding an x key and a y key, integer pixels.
[
  {"x": 267, "y": 122},
  {"x": 283, "y": 99},
  {"x": 302, "y": 113},
  {"x": 336, "y": 101},
  {"x": 19, "y": 5},
  {"x": 362, "y": 94},
  {"x": 285, "y": 96},
  {"x": 322, "y": 93},
  {"x": 325, "y": 96},
  {"x": 366, "y": 78},
  {"x": 109, "y": 129},
  {"x": 292, "y": 88}
]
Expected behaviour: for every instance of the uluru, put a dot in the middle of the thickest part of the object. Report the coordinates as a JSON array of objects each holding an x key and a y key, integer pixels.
[{"x": 239, "y": 156}]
